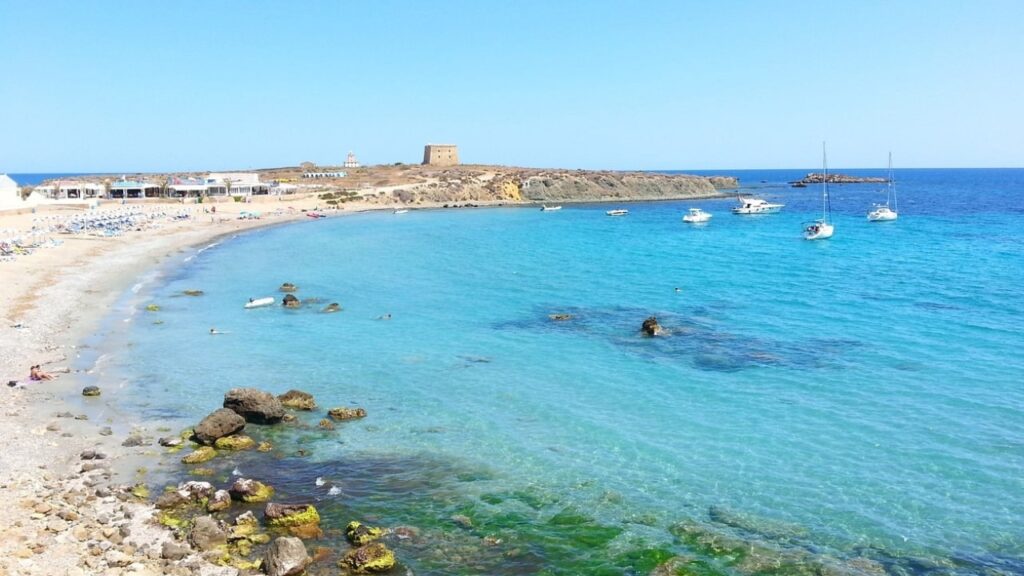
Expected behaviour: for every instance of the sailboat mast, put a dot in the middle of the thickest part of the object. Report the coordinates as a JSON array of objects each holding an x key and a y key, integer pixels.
[
  {"x": 892, "y": 188},
  {"x": 825, "y": 204}
]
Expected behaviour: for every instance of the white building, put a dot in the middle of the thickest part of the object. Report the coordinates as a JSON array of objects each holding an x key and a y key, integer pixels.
[
  {"x": 351, "y": 161},
  {"x": 76, "y": 191},
  {"x": 186, "y": 187},
  {"x": 235, "y": 184},
  {"x": 10, "y": 194},
  {"x": 122, "y": 189}
]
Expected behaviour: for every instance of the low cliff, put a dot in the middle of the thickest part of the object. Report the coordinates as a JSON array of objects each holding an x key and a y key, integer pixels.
[{"x": 512, "y": 185}]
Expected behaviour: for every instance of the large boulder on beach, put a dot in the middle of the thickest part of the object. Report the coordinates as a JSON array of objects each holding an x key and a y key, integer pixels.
[
  {"x": 254, "y": 405},
  {"x": 300, "y": 520},
  {"x": 91, "y": 391},
  {"x": 650, "y": 327},
  {"x": 220, "y": 423},
  {"x": 207, "y": 533},
  {"x": 298, "y": 400},
  {"x": 374, "y": 557},
  {"x": 286, "y": 556}
]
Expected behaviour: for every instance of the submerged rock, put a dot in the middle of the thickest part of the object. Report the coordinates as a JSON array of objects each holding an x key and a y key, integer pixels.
[
  {"x": 264, "y": 447},
  {"x": 221, "y": 422},
  {"x": 560, "y": 317},
  {"x": 651, "y": 327},
  {"x": 373, "y": 557},
  {"x": 288, "y": 287},
  {"x": 254, "y": 405},
  {"x": 193, "y": 292},
  {"x": 200, "y": 455},
  {"x": 170, "y": 442},
  {"x": 248, "y": 490},
  {"x": 91, "y": 391},
  {"x": 359, "y": 534},
  {"x": 298, "y": 400},
  {"x": 286, "y": 556},
  {"x": 152, "y": 308},
  {"x": 300, "y": 520},
  {"x": 234, "y": 442},
  {"x": 345, "y": 413},
  {"x": 326, "y": 424}
]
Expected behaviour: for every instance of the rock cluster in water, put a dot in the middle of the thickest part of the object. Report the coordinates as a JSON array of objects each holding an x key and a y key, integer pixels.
[{"x": 818, "y": 177}]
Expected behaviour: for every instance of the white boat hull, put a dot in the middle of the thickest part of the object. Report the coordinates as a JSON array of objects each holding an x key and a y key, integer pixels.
[
  {"x": 882, "y": 215},
  {"x": 819, "y": 231},
  {"x": 260, "y": 302},
  {"x": 768, "y": 209},
  {"x": 550, "y": 208},
  {"x": 697, "y": 218},
  {"x": 617, "y": 212}
]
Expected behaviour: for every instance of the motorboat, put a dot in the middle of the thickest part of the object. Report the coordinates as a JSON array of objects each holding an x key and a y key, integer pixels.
[
  {"x": 259, "y": 302},
  {"x": 822, "y": 228},
  {"x": 401, "y": 211},
  {"x": 882, "y": 212},
  {"x": 617, "y": 212},
  {"x": 752, "y": 205},
  {"x": 545, "y": 208},
  {"x": 697, "y": 216}
]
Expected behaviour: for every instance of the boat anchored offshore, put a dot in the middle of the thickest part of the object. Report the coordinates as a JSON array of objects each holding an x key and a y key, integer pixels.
[
  {"x": 546, "y": 208},
  {"x": 823, "y": 228},
  {"x": 696, "y": 216},
  {"x": 401, "y": 211},
  {"x": 617, "y": 212},
  {"x": 259, "y": 302},
  {"x": 751, "y": 205},
  {"x": 883, "y": 213}
]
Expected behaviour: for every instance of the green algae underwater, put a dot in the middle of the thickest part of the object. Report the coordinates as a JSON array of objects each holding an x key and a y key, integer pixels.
[{"x": 445, "y": 517}]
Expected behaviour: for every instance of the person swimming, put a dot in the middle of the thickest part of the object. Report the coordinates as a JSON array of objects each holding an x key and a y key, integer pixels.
[
  {"x": 384, "y": 317},
  {"x": 215, "y": 332}
]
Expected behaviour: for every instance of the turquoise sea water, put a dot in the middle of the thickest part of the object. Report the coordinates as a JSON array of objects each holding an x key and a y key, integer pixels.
[{"x": 846, "y": 399}]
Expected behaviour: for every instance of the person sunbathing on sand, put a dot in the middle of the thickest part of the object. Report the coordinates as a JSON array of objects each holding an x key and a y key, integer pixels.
[{"x": 36, "y": 374}]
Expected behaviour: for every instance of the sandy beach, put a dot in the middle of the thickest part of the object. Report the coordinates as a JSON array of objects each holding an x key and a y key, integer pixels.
[{"x": 65, "y": 515}]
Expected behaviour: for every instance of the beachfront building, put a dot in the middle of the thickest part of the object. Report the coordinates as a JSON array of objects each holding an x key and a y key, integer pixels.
[
  {"x": 10, "y": 194},
  {"x": 76, "y": 191},
  {"x": 441, "y": 154},
  {"x": 186, "y": 187},
  {"x": 336, "y": 174},
  {"x": 235, "y": 184},
  {"x": 131, "y": 189},
  {"x": 351, "y": 162}
]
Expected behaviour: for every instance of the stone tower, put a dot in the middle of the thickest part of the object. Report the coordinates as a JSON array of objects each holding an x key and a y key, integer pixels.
[{"x": 441, "y": 154}]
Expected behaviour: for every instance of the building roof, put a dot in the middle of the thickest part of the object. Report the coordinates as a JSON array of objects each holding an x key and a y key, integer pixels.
[
  {"x": 237, "y": 178},
  {"x": 133, "y": 184}
]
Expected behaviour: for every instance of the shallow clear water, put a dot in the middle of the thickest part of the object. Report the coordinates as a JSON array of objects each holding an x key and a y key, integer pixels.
[{"x": 860, "y": 396}]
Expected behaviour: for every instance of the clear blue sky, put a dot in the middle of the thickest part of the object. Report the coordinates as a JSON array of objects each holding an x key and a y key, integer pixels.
[{"x": 194, "y": 85}]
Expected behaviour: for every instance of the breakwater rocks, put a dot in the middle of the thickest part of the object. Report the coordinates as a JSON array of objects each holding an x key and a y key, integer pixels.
[
  {"x": 494, "y": 184},
  {"x": 818, "y": 177}
]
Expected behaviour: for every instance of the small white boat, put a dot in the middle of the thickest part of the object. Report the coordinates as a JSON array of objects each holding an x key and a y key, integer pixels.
[
  {"x": 883, "y": 213},
  {"x": 545, "y": 208},
  {"x": 697, "y": 216},
  {"x": 260, "y": 302},
  {"x": 822, "y": 228},
  {"x": 617, "y": 212},
  {"x": 401, "y": 211},
  {"x": 751, "y": 205}
]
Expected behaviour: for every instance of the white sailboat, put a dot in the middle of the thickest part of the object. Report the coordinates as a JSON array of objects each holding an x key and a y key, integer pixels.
[
  {"x": 883, "y": 213},
  {"x": 822, "y": 228}
]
